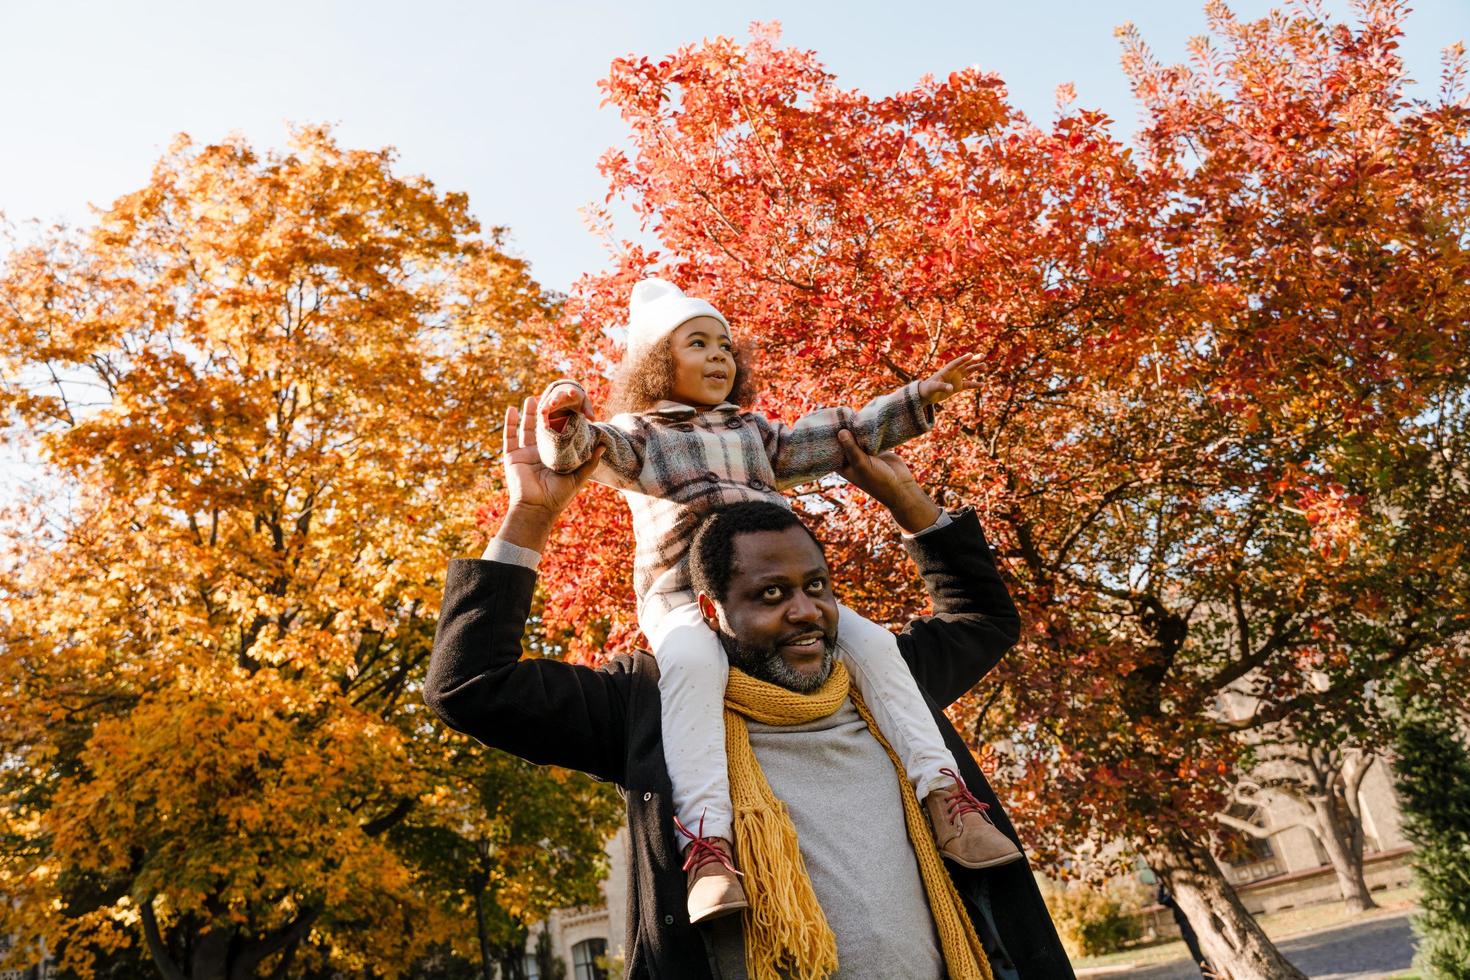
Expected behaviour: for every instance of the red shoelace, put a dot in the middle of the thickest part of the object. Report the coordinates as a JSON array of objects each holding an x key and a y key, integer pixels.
[
  {"x": 702, "y": 849},
  {"x": 960, "y": 800}
]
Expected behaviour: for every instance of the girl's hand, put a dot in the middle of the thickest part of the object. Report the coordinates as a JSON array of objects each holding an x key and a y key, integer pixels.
[
  {"x": 563, "y": 401},
  {"x": 960, "y": 374},
  {"x": 537, "y": 495}
]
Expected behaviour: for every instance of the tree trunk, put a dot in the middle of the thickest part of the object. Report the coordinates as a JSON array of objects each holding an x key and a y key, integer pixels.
[
  {"x": 512, "y": 961},
  {"x": 487, "y": 958},
  {"x": 217, "y": 953},
  {"x": 157, "y": 948},
  {"x": 1231, "y": 938},
  {"x": 210, "y": 957},
  {"x": 1322, "y": 784},
  {"x": 1342, "y": 838}
]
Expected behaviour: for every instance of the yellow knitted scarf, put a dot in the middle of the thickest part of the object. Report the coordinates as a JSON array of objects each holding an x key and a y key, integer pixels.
[{"x": 786, "y": 933}]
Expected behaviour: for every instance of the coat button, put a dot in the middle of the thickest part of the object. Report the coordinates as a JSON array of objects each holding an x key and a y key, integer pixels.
[
  {"x": 734, "y": 422},
  {"x": 668, "y": 920},
  {"x": 712, "y": 477},
  {"x": 756, "y": 484},
  {"x": 647, "y": 797},
  {"x": 685, "y": 426}
]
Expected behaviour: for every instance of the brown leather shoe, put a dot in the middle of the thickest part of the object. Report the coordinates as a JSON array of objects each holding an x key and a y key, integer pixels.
[
  {"x": 963, "y": 828},
  {"x": 714, "y": 881}
]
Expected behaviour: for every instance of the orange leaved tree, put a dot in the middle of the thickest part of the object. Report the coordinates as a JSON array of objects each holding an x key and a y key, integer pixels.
[{"x": 263, "y": 391}]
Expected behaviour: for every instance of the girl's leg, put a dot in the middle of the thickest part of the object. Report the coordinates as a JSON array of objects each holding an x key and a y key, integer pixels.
[
  {"x": 877, "y": 668},
  {"x": 962, "y": 830},
  {"x": 692, "y": 671}
]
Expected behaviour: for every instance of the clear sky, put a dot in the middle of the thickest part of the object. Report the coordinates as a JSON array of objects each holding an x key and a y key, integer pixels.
[{"x": 499, "y": 99}]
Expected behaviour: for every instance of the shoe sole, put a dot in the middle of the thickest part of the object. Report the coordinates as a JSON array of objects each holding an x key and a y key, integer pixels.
[
  {"x": 992, "y": 863},
  {"x": 718, "y": 911}
]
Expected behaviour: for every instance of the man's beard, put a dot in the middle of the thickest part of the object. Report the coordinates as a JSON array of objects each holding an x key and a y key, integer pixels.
[{"x": 765, "y": 664}]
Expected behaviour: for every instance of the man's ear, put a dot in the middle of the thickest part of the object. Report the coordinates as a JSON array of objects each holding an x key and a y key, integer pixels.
[{"x": 709, "y": 612}]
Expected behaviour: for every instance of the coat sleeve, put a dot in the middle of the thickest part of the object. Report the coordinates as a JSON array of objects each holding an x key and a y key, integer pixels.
[
  {"x": 808, "y": 448},
  {"x": 568, "y": 448},
  {"x": 974, "y": 621},
  {"x": 545, "y": 711}
]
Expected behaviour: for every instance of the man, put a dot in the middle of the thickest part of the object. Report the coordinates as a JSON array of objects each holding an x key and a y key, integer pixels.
[{"x": 771, "y": 601}]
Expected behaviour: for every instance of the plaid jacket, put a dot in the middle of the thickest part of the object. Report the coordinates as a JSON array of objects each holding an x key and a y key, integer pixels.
[{"x": 676, "y": 464}]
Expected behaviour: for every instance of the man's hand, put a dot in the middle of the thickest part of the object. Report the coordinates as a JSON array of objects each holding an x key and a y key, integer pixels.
[
  {"x": 960, "y": 374},
  {"x": 562, "y": 402},
  {"x": 887, "y": 479},
  {"x": 538, "y": 495}
]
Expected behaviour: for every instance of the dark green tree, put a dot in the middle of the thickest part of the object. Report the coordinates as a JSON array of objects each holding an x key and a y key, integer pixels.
[
  {"x": 1433, "y": 782},
  {"x": 549, "y": 966}
]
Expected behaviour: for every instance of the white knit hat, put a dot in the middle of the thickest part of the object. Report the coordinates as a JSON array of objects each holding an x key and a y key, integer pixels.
[{"x": 656, "y": 308}]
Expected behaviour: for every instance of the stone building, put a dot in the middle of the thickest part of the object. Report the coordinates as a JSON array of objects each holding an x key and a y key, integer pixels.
[
  {"x": 1289, "y": 868},
  {"x": 42, "y": 972},
  {"x": 587, "y": 938}
]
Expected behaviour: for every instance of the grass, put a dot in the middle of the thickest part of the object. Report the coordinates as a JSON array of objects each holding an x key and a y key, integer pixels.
[{"x": 1278, "y": 926}]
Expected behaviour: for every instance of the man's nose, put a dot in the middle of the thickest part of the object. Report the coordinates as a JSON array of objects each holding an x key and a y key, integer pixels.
[{"x": 803, "y": 609}]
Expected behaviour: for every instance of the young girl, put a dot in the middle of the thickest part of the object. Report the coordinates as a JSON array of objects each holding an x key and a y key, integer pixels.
[{"x": 686, "y": 448}]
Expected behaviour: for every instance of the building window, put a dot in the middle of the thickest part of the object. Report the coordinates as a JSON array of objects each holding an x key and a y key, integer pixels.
[
  {"x": 532, "y": 968},
  {"x": 1246, "y": 857},
  {"x": 584, "y": 960}
]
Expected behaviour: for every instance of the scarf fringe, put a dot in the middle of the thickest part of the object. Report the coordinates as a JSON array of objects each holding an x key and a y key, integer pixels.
[{"x": 786, "y": 931}]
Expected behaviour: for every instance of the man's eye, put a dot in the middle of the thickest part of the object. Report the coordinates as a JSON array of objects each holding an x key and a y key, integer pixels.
[
  {"x": 771, "y": 593},
  {"x": 817, "y": 586}
]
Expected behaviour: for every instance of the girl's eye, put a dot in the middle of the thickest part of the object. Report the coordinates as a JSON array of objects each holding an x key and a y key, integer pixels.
[{"x": 696, "y": 343}]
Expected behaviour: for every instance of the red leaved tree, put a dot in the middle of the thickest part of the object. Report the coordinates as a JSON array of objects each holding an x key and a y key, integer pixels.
[{"x": 1223, "y": 372}]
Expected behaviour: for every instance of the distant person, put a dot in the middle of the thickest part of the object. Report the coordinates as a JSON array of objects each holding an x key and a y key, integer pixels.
[{"x": 1186, "y": 931}]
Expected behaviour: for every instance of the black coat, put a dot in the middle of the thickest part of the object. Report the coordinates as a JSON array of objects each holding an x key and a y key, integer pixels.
[{"x": 605, "y": 721}]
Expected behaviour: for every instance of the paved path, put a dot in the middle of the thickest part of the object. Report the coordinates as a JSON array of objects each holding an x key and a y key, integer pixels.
[{"x": 1368, "y": 950}]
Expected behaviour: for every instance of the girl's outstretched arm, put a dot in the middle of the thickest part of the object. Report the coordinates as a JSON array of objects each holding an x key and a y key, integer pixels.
[
  {"x": 808, "y": 449},
  {"x": 566, "y": 436}
]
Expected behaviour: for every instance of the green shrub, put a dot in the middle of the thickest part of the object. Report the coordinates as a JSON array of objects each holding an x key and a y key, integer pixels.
[{"x": 1432, "y": 772}]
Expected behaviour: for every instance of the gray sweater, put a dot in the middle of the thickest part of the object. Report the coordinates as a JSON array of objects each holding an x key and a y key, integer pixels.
[{"x": 842, "y": 792}]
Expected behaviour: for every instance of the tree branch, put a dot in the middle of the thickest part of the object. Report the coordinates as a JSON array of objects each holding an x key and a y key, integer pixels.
[
  {"x": 378, "y": 825},
  {"x": 1344, "y": 688},
  {"x": 167, "y": 968},
  {"x": 1280, "y": 636},
  {"x": 286, "y": 937},
  {"x": 1258, "y": 832}
]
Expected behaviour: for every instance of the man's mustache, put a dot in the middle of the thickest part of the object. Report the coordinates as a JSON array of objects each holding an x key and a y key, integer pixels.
[
  {"x": 805, "y": 634},
  {"x": 765, "y": 664}
]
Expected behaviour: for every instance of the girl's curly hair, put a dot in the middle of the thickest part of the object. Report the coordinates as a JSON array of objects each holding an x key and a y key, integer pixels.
[{"x": 642, "y": 383}]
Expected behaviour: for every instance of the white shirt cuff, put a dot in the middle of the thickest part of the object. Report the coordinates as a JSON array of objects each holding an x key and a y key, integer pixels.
[
  {"x": 511, "y": 554},
  {"x": 943, "y": 520}
]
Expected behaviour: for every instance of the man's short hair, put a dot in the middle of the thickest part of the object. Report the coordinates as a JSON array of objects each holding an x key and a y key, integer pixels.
[{"x": 712, "y": 550}]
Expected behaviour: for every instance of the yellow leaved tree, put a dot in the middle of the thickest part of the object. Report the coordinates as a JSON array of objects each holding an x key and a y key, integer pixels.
[{"x": 264, "y": 390}]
